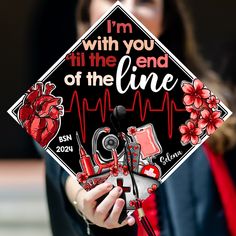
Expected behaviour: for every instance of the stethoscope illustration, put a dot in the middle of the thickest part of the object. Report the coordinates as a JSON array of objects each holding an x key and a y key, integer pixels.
[{"x": 110, "y": 143}]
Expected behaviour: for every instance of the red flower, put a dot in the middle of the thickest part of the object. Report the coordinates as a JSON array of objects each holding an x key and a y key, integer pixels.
[
  {"x": 132, "y": 131},
  {"x": 82, "y": 177},
  {"x": 152, "y": 189},
  {"x": 125, "y": 170},
  {"x": 195, "y": 93},
  {"x": 132, "y": 203},
  {"x": 190, "y": 133},
  {"x": 213, "y": 101},
  {"x": 194, "y": 112},
  {"x": 114, "y": 171},
  {"x": 210, "y": 120}
]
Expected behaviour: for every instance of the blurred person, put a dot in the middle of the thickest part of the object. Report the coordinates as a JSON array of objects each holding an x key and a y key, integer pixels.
[{"x": 192, "y": 201}]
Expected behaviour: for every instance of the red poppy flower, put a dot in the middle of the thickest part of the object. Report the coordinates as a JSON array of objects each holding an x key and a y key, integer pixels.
[
  {"x": 190, "y": 133},
  {"x": 195, "y": 93},
  {"x": 210, "y": 120},
  {"x": 212, "y": 101}
]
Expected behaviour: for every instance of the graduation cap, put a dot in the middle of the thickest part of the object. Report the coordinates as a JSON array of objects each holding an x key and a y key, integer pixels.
[{"x": 118, "y": 106}]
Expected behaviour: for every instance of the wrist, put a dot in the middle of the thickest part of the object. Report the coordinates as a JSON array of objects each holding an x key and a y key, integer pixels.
[
  {"x": 77, "y": 200},
  {"x": 74, "y": 193},
  {"x": 77, "y": 208}
]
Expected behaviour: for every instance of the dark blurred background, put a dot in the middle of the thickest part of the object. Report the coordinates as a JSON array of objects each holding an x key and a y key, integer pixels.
[{"x": 27, "y": 28}]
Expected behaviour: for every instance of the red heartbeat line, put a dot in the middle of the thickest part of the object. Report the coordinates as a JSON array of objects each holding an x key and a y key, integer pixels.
[{"x": 104, "y": 105}]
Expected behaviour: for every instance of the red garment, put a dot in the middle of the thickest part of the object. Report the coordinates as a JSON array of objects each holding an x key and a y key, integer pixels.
[
  {"x": 225, "y": 186},
  {"x": 150, "y": 209}
]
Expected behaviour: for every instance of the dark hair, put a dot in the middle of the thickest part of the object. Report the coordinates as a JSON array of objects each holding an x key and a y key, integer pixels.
[{"x": 179, "y": 38}]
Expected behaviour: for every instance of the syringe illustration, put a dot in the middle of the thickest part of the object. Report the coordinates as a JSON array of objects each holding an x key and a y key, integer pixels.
[{"x": 85, "y": 160}]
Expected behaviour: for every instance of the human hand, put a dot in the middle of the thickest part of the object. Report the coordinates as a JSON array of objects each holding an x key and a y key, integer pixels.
[{"x": 106, "y": 213}]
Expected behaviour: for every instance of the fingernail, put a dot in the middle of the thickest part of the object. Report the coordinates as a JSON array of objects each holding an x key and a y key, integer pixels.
[
  {"x": 131, "y": 221},
  {"x": 119, "y": 189},
  {"x": 120, "y": 203}
]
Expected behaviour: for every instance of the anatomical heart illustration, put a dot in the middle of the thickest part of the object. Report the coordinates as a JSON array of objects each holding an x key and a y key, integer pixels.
[
  {"x": 118, "y": 106},
  {"x": 40, "y": 113}
]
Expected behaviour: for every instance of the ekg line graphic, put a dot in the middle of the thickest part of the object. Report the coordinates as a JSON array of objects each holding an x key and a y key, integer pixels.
[{"x": 104, "y": 106}]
